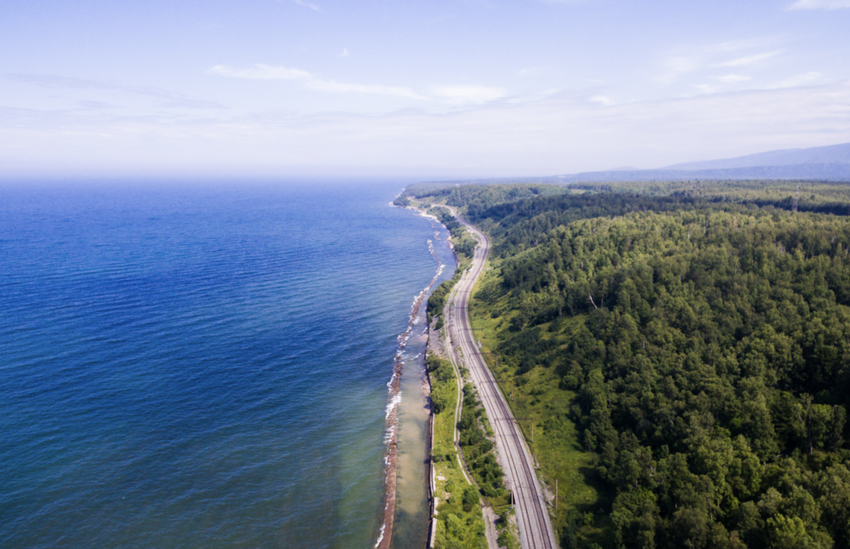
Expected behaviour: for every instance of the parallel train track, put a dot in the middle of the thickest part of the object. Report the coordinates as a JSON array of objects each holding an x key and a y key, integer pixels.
[{"x": 531, "y": 509}]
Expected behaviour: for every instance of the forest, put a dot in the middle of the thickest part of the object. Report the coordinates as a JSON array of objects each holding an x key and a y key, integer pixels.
[{"x": 692, "y": 340}]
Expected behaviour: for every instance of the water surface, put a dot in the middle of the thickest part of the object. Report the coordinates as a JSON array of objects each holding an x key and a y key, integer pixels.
[{"x": 199, "y": 365}]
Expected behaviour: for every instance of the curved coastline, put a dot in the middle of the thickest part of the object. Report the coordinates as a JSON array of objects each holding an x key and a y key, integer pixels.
[{"x": 385, "y": 533}]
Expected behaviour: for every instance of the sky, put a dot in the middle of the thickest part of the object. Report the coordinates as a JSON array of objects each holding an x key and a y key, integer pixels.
[{"x": 444, "y": 88}]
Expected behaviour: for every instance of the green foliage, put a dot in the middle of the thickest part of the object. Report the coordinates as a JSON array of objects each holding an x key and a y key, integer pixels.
[
  {"x": 475, "y": 194},
  {"x": 812, "y": 196},
  {"x": 458, "y": 529},
  {"x": 446, "y": 218},
  {"x": 504, "y": 539},
  {"x": 470, "y": 498},
  {"x": 635, "y": 515},
  {"x": 458, "y": 524},
  {"x": 519, "y": 226},
  {"x": 477, "y": 448},
  {"x": 437, "y": 299},
  {"x": 707, "y": 344},
  {"x": 441, "y": 374},
  {"x": 460, "y": 521},
  {"x": 465, "y": 245},
  {"x": 702, "y": 341}
]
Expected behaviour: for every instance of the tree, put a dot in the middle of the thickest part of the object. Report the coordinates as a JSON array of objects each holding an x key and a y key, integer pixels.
[{"x": 470, "y": 498}]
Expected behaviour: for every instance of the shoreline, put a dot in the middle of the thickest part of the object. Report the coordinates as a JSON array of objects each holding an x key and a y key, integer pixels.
[
  {"x": 429, "y": 443},
  {"x": 446, "y": 355},
  {"x": 385, "y": 534}
]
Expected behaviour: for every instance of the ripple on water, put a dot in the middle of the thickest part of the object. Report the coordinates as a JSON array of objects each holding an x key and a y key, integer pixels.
[{"x": 199, "y": 366}]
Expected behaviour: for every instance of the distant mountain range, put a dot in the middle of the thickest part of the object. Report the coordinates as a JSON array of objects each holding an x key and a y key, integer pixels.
[{"x": 828, "y": 163}]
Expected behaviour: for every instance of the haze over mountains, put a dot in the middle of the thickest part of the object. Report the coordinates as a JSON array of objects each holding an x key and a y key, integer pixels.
[{"x": 828, "y": 163}]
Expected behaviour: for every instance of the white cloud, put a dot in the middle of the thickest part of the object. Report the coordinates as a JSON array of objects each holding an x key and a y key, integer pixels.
[
  {"x": 706, "y": 88},
  {"x": 748, "y": 60},
  {"x": 261, "y": 72},
  {"x": 703, "y": 60},
  {"x": 531, "y": 71},
  {"x": 565, "y": 133},
  {"x": 344, "y": 53},
  {"x": 731, "y": 46},
  {"x": 798, "y": 80},
  {"x": 334, "y": 86},
  {"x": 819, "y": 4},
  {"x": 602, "y": 100},
  {"x": 306, "y": 4},
  {"x": 309, "y": 80},
  {"x": 683, "y": 63},
  {"x": 165, "y": 98},
  {"x": 730, "y": 78},
  {"x": 468, "y": 94},
  {"x": 794, "y": 81},
  {"x": 526, "y": 98},
  {"x": 455, "y": 95}
]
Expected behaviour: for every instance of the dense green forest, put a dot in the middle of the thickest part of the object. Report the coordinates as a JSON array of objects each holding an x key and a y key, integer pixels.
[
  {"x": 695, "y": 343},
  {"x": 811, "y": 196},
  {"x": 476, "y": 195}
]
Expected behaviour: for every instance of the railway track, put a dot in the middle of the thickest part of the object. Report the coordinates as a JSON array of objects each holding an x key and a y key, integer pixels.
[{"x": 531, "y": 509}]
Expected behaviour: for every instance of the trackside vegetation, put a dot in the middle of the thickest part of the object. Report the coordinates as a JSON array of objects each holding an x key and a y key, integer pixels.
[
  {"x": 460, "y": 523},
  {"x": 681, "y": 354},
  {"x": 475, "y": 434}
]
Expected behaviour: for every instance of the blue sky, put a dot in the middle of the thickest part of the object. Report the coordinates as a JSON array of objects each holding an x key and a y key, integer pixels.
[{"x": 441, "y": 88}]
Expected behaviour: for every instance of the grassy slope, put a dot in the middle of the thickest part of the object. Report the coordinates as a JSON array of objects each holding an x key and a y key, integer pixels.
[{"x": 556, "y": 447}]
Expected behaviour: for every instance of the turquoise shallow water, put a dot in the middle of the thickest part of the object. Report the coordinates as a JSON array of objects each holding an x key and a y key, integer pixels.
[{"x": 199, "y": 365}]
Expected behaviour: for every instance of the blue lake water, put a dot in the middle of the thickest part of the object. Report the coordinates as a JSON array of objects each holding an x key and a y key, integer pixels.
[{"x": 200, "y": 365}]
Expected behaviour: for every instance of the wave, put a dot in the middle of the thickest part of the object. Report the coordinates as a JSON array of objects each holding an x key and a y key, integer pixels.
[
  {"x": 393, "y": 401},
  {"x": 381, "y": 535}
]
